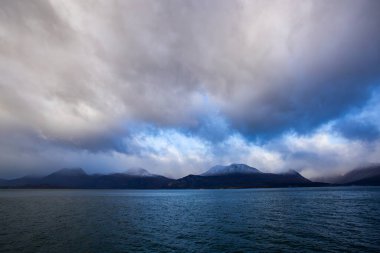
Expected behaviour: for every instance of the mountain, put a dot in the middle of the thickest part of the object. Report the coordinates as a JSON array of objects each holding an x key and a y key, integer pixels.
[
  {"x": 241, "y": 176},
  {"x": 67, "y": 178},
  {"x": 362, "y": 176},
  {"x": 219, "y": 170},
  {"x": 78, "y": 178},
  {"x": 368, "y": 181},
  {"x": 19, "y": 182},
  {"x": 139, "y": 172},
  {"x": 359, "y": 174}
]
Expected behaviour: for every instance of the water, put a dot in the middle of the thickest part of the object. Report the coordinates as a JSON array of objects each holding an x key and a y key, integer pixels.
[{"x": 344, "y": 219}]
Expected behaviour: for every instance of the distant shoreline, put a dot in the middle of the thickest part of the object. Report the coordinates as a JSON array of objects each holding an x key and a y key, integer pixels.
[{"x": 170, "y": 189}]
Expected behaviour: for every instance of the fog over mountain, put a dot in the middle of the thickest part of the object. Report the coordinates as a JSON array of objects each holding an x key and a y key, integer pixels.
[
  {"x": 217, "y": 177},
  {"x": 179, "y": 86},
  {"x": 219, "y": 170}
]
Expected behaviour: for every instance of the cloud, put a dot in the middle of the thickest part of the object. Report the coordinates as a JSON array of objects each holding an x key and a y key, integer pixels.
[
  {"x": 88, "y": 77},
  {"x": 361, "y": 123}
]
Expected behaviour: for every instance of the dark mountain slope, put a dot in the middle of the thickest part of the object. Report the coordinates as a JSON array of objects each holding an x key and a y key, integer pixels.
[
  {"x": 368, "y": 181},
  {"x": 239, "y": 180},
  {"x": 359, "y": 174},
  {"x": 79, "y": 179}
]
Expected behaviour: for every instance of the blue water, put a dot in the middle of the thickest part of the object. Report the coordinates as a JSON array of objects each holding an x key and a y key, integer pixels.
[{"x": 344, "y": 219}]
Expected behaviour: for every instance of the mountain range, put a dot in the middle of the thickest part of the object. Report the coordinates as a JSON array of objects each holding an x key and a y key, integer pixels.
[
  {"x": 78, "y": 178},
  {"x": 231, "y": 176}
]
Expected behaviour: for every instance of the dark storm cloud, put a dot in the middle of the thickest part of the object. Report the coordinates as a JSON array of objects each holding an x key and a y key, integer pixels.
[
  {"x": 83, "y": 75},
  {"x": 268, "y": 66}
]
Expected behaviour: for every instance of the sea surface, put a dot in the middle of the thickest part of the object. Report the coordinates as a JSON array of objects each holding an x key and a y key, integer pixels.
[{"x": 338, "y": 219}]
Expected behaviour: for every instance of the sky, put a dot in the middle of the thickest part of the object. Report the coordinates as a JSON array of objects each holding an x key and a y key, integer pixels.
[{"x": 176, "y": 87}]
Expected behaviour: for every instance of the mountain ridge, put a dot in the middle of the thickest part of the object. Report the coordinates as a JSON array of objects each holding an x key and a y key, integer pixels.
[
  {"x": 78, "y": 178},
  {"x": 360, "y": 174},
  {"x": 230, "y": 176},
  {"x": 353, "y": 177}
]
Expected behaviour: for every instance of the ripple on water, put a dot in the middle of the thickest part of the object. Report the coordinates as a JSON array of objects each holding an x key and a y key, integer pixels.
[{"x": 265, "y": 220}]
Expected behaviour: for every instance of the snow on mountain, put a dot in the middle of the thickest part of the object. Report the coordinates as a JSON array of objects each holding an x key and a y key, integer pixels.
[{"x": 230, "y": 169}]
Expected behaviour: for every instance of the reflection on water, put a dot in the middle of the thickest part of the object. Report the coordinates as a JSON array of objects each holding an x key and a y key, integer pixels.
[{"x": 344, "y": 219}]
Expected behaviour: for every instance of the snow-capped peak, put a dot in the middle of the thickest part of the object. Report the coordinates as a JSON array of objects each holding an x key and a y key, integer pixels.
[
  {"x": 230, "y": 169},
  {"x": 140, "y": 172}
]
